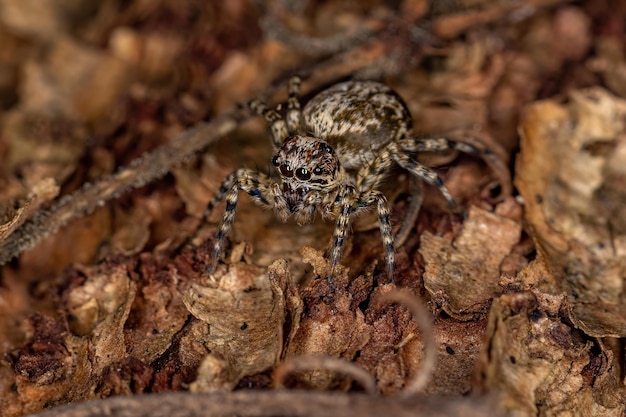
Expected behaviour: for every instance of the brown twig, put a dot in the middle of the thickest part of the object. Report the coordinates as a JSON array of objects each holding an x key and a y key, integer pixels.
[
  {"x": 316, "y": 362},
  {"x": 149, "y": 167},
  {"x": 452, "y": 25},
  {"x": 276, "y": 403},
  {"x": 274, "y": 27},
  {"x": 424, "y": 322},
  {"x": 157, "y": 163},
  {"x": 414, "y": 386}
]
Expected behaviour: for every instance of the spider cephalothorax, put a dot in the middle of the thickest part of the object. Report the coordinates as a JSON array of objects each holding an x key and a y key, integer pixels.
[
  {"x": 309, "y": 171},
  {"x": 308, "y": 162},
  {"x": 360, "y": 129}
]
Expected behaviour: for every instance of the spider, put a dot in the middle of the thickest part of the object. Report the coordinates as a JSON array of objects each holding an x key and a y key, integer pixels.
[{"x": 331, "y": 157}]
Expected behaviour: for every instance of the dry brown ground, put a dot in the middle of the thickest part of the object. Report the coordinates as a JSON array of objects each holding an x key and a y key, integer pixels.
[{"x": 120, "y": 121}]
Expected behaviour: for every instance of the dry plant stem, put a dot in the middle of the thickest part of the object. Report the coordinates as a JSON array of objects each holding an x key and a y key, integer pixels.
[
  {"x": 274, "y": 28},
  {"x": 155, "y": 164},
  {"x": 317, "y": 362},
  {"x": 452, "y": 25},
  {"x": 276, "y": 403},
  {"x": 140, "y": 172},
  {"x": 422, "y": 317}
]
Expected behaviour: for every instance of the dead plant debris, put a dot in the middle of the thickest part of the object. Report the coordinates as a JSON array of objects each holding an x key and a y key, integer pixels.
[{"x": 121, "y": 118}]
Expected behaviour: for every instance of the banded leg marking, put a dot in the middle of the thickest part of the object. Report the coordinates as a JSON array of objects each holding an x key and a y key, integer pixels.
[
  {"x": 294, "y": 113},
  {"x": 278, "y": 127},
  {"x": 425, "y": 173}
]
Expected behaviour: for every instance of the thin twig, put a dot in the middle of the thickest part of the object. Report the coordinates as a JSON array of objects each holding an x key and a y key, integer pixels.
[
  {"x": 277, "y": 403},
  {"x": 143, "y": 170},
  {"x": 155, "y": 164},
  {"x": 327, "y": 363},
  {"x": 452, "y": 25},
  {"x": 274, "y": 27},
  {"x": 422, "y": 317}
]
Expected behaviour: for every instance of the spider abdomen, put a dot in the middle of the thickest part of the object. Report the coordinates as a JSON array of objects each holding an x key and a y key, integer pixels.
[{"x": 357, "y": 118}]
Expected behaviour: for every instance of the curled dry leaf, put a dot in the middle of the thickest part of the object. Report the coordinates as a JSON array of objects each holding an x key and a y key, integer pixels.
[
  {"x": 246, "y": 312},
  {"x": 99, "y": 309},
  {"x": 464, "y": 274},
  {"x": 542, "y": 366},
  {"x": 44, "y": 190},
  {"x": 571, "y": 175},
  {"x": 132, "y": 230},
  {"x": 67, "y": 360}
]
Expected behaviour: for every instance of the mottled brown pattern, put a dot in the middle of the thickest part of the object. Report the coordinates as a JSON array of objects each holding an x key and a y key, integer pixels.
[{"x": 331, "y": 157}]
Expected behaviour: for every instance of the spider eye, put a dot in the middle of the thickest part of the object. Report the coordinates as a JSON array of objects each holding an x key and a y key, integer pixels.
[
  {"x": 327, "y": 148},
  {"x": 303, "y": 174},
  {"x": 317, "y": 170},
  {"x": 275, "y": 161},
  {"x": 286, "y": 170}
]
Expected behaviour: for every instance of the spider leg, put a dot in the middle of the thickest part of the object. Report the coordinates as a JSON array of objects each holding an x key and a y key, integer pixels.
[
  {"x": 259, "y": 187},
  {"x": 294, "y": 113},
  {"x": 417, "y": 198},
  {"x": 466, "y": 143},
  {"x": 425, "y": 173},
  {"x": 384, "y": 212},
  {"x": 370, "y": 175},
  {"x": 437, "y": 145},
  {"x": 278, "y": 127},
  {"x": 345, "y": 202}
]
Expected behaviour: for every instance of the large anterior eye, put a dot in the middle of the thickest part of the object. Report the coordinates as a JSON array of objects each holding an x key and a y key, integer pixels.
[
  {"x": 303, "y": 174},
  {"x": 286, "y": 170}
]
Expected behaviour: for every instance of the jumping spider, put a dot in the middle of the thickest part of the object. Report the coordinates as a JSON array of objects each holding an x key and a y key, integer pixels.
[{"x": 331, "y": 157}]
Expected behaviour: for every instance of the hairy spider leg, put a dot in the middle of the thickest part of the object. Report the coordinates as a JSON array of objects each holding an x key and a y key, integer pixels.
[
  {"x": 350, "y": 204},
  {"x": 294, "y": 112},
  {"x": 345, "y": 202},
  {"x": 384, "y": 213},
  {"x": 370, "y": 176},
  {"x": 261, "y": 189},
  {"x": 425, "y": 173},
  {"x": 417, "y": 198},
  {"x": 278, "y": 127},
  {"x": 412, "y": 145},
  {"x": 438, "y": 145},
  {"x": 497, "y": 165},
  {"x": 368, "y": 179}
]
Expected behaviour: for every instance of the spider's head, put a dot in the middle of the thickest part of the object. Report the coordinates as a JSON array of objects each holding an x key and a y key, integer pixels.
[{"x": 306, "y": 164}]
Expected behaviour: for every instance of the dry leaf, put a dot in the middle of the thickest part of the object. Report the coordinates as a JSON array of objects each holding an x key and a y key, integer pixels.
[
  {"x": 245, "y": 320},
  {"x": 463, "y": 275},
  {"x": 542, "y": 366},
  {"x": 330, "y": 324},
  {"x": 571, "y": 175}
]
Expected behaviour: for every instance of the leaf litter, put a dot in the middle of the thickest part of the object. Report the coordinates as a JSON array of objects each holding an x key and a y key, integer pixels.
[{"x": 107, "y": 107}]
